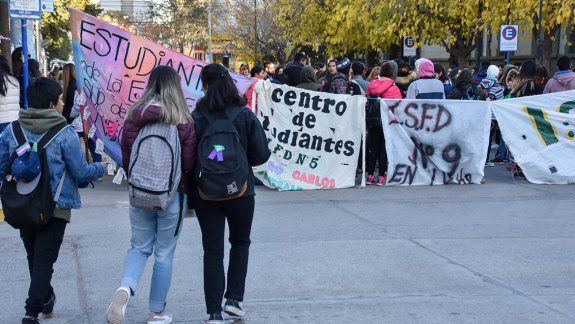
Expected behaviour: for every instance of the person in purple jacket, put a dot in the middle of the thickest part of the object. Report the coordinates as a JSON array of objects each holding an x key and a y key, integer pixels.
[
  {"x": 564, "y": 79},
  {"x": 163, "y": 101}
]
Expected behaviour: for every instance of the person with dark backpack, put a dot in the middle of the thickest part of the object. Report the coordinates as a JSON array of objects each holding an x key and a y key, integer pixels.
[
  {"x": 42, "y": 162},
  {"x": 340, "y": 82},
  {"x": 230, "y": 142},
  {"x": 384, "y": 88},
  {"x": 159, "y": 154}
]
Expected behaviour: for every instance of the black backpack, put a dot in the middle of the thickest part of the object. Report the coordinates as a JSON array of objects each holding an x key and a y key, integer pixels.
[
  {"x": 373, "y": 112},
  {"x": 222, "y": 170},
  {"x": 33, "y": 208}
]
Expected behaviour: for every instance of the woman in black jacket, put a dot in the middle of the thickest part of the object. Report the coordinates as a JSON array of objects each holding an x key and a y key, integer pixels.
[{"x": 222, "y": 101}]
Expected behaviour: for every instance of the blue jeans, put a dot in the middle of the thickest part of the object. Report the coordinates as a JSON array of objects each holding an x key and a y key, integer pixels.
[{"x": 153, "y": 232}]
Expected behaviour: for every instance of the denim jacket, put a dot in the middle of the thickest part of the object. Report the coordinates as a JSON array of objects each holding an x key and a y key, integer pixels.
[{"x": 64, "y": 154}]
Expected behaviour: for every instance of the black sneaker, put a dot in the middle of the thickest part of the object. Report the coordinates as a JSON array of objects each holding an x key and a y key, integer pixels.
[
  {"x": 34, "y": 320},
  {"x": 216, "y": 318},
  {"x": 233, "y": 308},
  {"x": 48, "y": 308}
]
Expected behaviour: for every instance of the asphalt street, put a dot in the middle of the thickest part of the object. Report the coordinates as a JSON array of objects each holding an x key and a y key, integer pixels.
[{"x": 501, "y": 252}]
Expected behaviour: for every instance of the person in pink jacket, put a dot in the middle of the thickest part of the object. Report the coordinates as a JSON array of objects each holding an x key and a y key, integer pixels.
[
  {"x": 385, "y": 88},
  {"x": 257, "y": 73},
  {"x": 564, "y": 79}
]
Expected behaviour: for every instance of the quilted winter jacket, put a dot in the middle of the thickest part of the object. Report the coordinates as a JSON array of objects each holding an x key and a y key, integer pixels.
[
  {"x": 186, "y": 132},
  {"x": 383, "y": 88},
  {"x": 10, "y": 103}
]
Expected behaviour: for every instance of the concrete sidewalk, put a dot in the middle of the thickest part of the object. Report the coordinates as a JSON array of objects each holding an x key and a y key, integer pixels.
[{"x": 502, "y": 252}]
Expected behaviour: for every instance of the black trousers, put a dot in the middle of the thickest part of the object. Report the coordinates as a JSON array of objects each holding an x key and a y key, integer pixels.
[
  {"x": 42, "y": 248},
  {"x": 376, "y": 152},
  {"x": 212, "y": 216}
]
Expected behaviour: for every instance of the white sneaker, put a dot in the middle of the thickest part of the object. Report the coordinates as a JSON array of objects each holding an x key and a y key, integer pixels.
[
  {"x": 163, "y": 318},
  {"x": 117, "y": 309}
]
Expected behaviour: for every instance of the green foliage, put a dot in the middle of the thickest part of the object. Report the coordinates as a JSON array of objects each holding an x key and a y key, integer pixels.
[
  {"x": 56, "y": 26},
  {"x": 357, "y": 25}
]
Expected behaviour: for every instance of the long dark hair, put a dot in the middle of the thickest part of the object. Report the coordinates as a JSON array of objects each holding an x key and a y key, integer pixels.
[
  {"x": 5, "y": 75},
  {"x": 439, "y": 69},
  {"x": 221, "y": 91},
  {"x": 17, "y": 63},
  {"x": 68, "y": 79},
  {"x": 528, "y": 70}
]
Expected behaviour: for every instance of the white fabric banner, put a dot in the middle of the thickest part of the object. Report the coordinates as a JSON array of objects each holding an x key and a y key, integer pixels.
[
  {"x": 315, "y": 137},
  {"x": 434, "y": 142},
  {"x": 540, "y": 132}
]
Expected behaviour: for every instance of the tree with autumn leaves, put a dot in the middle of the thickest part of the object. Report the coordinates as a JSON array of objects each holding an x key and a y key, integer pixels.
[{"x": 347, "y": 26}]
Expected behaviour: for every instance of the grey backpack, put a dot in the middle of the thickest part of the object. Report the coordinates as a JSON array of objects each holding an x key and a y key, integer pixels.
[{"x": 155, "y": 167}]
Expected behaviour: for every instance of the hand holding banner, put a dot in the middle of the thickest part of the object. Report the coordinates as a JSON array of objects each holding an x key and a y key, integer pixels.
[{"x": 112, "y": 69}]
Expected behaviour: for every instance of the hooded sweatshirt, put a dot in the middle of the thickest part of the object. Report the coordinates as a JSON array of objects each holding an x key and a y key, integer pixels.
[
  {"x": 493, "y": 89},
  {"x": 39, "y": 121},
  {"x": 308, "y": 79},
  {"x": 561, "y": 81},
  {"x": 426, "y": 87}
]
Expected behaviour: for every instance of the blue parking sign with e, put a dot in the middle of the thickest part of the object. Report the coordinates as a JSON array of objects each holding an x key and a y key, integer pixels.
[{"x": 509, "y": 37}]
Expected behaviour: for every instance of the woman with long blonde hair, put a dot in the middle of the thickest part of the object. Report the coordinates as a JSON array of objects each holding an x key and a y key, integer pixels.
[
  {"x": 155, "y": 231},
  {"x": 69, "y": 88}
]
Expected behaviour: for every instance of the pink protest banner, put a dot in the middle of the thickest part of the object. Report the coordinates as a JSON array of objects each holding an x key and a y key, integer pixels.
[{"x": 112, "y": 68}]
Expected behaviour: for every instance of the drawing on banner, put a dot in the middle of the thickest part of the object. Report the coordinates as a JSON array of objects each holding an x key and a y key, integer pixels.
[
  {"x": 425, "y": 142},
  {"x": 315, "y": 137},
  {"x": 112, "y": 68},
  {"x": 540, "y": 132}
]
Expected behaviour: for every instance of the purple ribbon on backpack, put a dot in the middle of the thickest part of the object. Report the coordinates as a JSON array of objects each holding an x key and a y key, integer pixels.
[{"x": 217, "y": 152}]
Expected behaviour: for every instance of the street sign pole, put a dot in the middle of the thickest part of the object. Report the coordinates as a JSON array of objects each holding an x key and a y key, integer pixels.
[
  {"x": 508, "y": 40},
  {"x": 25, "y": 10},
  {"x": 25, "y": 59}
]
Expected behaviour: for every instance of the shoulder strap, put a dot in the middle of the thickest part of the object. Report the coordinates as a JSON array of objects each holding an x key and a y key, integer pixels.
[
  {"x": 47, "y": 138},
  {"x": 18, "y": 133},
  {"x": 180, "y": 214},
  {"x": 232, "y": 115}
]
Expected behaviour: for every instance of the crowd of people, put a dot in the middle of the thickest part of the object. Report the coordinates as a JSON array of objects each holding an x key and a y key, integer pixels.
[
  {"x": 396, "y": 79},
  {"x": 220, "y": 140}
]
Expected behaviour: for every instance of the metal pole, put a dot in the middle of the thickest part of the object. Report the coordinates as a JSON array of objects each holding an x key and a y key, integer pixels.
[
  {"x": 255, "y": 32},
  {"x": 507, "y": 53},
  {"x": 539, "y": 40},
  {"x": 209, "y": 32},
  {"x": 479, "y": 46},
  {"x": 25, "y": 54}
]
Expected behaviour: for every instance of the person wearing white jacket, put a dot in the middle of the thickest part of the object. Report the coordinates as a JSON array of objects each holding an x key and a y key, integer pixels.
[{"x": 9, "y": 95}]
